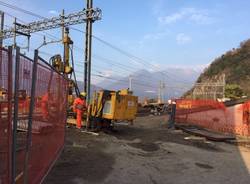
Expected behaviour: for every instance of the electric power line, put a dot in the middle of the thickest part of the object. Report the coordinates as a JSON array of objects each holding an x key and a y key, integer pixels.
[
  {"x": 20, "y": 9},
  {"x": 131, "y": 56}
]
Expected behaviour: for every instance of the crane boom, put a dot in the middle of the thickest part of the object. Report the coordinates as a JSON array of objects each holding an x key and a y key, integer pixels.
[{"x": 54, "y": 22}]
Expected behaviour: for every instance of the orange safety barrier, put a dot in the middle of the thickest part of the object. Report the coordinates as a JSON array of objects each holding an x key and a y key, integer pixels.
[
  {"x": 48, "y": 125},
  {"x": 5, "y": 116},
  {"x": 49, "y": 121},
  {"x": 215, "y": 115}
]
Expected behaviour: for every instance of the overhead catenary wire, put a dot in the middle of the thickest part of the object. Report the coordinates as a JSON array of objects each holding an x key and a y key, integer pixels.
[
  {"x": 120, "y": 66},
  {"x": 101, "y": 70},
  {"x": 136, "y": 83},
  {"x": 131, "y": 56},
  {"x": 123, "y": 81},
  {"x": 147, "y": 78},
  {"x": 20, "y": 9},
  {"x": 30, "y": 13}
]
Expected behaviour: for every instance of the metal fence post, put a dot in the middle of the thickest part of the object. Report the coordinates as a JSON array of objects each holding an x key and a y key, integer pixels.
[
  {"x": 10, "y": 81},
  {"x": 15, "y": 118},
  {"x": 30, "y": 117}
]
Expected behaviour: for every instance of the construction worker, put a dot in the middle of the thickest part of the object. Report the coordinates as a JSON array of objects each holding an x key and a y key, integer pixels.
[
  {"x": 79, "y": 106},
  {"x": 45, "y": 105},
  {"x": 172, "y": 110}
]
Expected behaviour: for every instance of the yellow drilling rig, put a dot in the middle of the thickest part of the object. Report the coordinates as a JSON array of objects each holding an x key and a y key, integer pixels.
[
  {"x": 109, "y": 107},
  {"x": 105, "y": 107}
]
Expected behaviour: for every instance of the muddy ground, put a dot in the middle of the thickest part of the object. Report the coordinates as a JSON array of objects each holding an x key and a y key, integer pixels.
[{"x": 148, "y": 152}]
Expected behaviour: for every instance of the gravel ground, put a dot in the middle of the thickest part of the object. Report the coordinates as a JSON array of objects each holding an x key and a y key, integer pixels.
[{"x": 148, "y": 152}]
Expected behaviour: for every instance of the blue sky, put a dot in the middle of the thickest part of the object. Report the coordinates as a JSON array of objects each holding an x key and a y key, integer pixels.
[{"x": 167, "y": 33}]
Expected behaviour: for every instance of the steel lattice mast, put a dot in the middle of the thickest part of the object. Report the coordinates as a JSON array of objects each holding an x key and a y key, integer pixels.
[{"x": 52, "y": 23}]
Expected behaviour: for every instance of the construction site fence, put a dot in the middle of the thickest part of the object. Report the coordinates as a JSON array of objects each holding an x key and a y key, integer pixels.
[
  {"x": 214, "y": 115},
  {"x": 33, "y": 102}
]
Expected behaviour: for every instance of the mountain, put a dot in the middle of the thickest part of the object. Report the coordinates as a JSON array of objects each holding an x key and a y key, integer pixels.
[
  {"x": 235, "y": 66},
  {"x": 146, "y": 83}
]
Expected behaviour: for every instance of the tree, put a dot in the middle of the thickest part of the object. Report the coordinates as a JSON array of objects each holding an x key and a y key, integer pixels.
[{"x": 233, "y": 91}]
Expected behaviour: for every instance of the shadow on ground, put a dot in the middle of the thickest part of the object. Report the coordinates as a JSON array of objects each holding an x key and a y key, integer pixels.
[
  {"x": 148, "y": 153},
  {"x": 81, "y": 161}
]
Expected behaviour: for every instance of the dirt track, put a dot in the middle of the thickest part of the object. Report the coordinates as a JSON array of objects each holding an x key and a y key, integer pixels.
[{"x": 148, "y": 153}]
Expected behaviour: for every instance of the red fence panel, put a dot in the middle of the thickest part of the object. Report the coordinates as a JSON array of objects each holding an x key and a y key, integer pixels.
[
  {"x": 5, "y": 115},
  {"x": 48, "y": 121},
  {"x": 49, "y": 118}
]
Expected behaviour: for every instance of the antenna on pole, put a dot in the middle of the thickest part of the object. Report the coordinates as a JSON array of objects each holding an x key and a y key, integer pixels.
[{"x": 130, "y": 82}]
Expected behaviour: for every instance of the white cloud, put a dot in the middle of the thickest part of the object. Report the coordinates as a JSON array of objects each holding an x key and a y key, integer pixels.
[
  {"x": 54, "y": 12},
  {"x": 149, "y": 91},
  {"x": 155, "y": 36},
  {"x": 152, "y": 37},
  {"x": 190, "y": 14},
  {"x": 198, "y": 68},
  {"x": 157, "y": 7},
  {"x": 190, "y": 67},
  {"x": 156, "y": 67},
  {"x": 170, "y": 19},
  {"x": 107, "y": 73},
  {"x": 183, "y": 39},
  {"x": 201, "y": 19}
]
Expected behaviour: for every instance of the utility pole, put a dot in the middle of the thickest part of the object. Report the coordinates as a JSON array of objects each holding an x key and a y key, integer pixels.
[
  {"x": 159, "y": 93},
  {"x": 162, "y": 91},
  {"x": 130, "y": 82},
  {"x": 1, "y": 41},
  {"x": 224, "y": 85},
  {"x": 86, "y": 57},
  {"x": 88, "y": 46},
  {"x": 15, "y": 29},
  {"x": 63, "y": 26},
  {"x": 1, "y": 28}
]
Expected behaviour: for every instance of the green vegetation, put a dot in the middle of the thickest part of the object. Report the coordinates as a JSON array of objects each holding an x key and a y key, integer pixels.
[
  {"x": 235, "y": 64},
  {"x": 233, "y": 91}
]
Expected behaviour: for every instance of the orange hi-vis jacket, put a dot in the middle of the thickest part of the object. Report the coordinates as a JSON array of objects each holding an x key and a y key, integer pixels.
[
  {"x": 44, "y": 101},
  {"x": 78, "y": 107},
  {"x": 79, "y": 104}
]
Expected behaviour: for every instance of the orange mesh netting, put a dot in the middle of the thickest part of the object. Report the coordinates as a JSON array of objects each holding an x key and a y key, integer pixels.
[
  {"x": 5, "y": 117},
  {"x": 49, "y": 118},
  {"x": 214, "y": 115}
]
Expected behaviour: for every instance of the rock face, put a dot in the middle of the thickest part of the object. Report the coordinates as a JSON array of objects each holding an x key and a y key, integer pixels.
[{"x": 234, "y": 64}]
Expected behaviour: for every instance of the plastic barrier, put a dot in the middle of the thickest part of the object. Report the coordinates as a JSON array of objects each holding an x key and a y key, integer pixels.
[
  {"x": 29, "y": 155},
  {"x": 5, "y": 115},
  {"x": 215, "y": 115}
]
